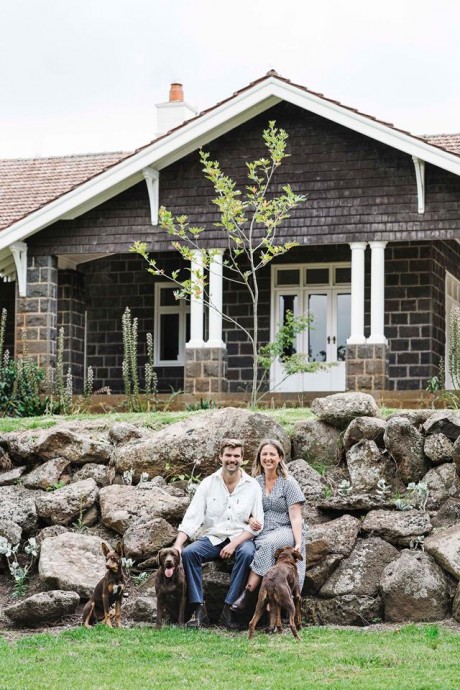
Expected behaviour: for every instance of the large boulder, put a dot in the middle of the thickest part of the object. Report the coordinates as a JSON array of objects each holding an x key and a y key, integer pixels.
[
  {"x": 370, "y": 428},
  {"x": 18, "y": 505},
  {"x": 448, "y": 515},
  {"x": 100, "y": 473},
  {"x": 337, "y": 536},
  {"x": 42, "y": 608},
  {"x": 348, "y": 609},
  {"x": 123, "y": 506},
  {"x": 309, "y": 479},
  {"x": 446, "y": 422},
  {"x": 146, "y": 538},
  {"x": 438, "y": 448},
  {"x": 63, "y": 505},
  {"x": 415, "y": 589},
  {"x": 10, "y": 531},
  {"x": 360, "y": 573},
  {"x": 442, "y": 483},
  {"x": 73, "y": 562},
  {"x": 195, "y": 442},
  {"x": 367, "y": 465},
  {"x": 12, "y": 476},
  {"x": 75, "y": 447},
  {"x": 397, "y": 527},
  {"x": 48, "y": 474},
  {"x": 340, "y": 409},
  {"x": 123, "y": 432},
  {"x": 444, "y": 546},
  {"x": 316, "y": 442},
  {"x": 405, "y": 443},
  {"x": 352, "y": 502}
]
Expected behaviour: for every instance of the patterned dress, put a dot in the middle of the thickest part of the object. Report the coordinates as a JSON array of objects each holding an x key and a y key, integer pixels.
[{"x": 277, "y": 531}]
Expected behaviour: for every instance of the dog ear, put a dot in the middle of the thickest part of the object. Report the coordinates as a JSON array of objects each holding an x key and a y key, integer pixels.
[
  {"x": 298, "y": 556},
  {"x": 105, "y": 549},
  {"x": 119, "y": 548},
  {"x": 277, "y": 553}
]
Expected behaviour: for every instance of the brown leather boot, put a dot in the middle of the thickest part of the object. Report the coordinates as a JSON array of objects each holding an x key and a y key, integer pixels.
[{"x": 243, "y": 601}]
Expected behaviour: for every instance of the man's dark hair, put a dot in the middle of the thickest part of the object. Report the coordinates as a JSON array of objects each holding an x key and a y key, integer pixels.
[{"x": 231, "y": 443}]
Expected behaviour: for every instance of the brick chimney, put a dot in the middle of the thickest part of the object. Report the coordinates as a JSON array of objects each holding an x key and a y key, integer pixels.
[{"x": 175, "y": 111}]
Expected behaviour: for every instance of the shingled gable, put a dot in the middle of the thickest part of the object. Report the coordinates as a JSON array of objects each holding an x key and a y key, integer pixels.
[{"x": 257, "y": 97}]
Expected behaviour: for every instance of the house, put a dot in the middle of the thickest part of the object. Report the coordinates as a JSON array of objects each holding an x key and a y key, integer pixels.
[{"x": 377, "y": 261}]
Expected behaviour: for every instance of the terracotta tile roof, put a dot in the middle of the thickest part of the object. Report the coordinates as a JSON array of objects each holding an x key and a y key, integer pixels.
[
  {"x": 448, "y": 142},
  {"x": 27, "y": 184}
]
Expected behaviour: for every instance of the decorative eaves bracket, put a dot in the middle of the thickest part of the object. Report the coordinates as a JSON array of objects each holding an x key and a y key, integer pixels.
[
  {"x": 420, "y": 178},
  {"x": 19, "y": 252},
  {"x": 152, "y": 178}
]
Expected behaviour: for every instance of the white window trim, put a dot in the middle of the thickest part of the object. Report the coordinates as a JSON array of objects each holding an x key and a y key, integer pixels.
[
  {"x": 182, "y": 307},
  {"x": 302, "y": 269},
  {"x": 452, "y": 300}
]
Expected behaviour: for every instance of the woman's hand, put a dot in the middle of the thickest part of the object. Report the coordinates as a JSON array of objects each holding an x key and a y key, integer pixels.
[{"x": 254, "y": 524}]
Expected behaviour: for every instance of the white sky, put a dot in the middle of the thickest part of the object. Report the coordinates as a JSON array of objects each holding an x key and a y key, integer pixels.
[{"x": 84, "y": 75}]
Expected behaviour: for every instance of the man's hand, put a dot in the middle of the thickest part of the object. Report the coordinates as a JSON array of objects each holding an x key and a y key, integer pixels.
[{"x": 228, "y": 550}]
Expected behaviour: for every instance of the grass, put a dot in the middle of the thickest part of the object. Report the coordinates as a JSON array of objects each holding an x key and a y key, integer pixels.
[
  {"x": 287, "y": 417},
  {"x": 411, "y": 658}
]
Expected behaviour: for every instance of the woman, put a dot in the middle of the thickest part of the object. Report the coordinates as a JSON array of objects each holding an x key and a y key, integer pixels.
[{"x": 282, "y": 500}]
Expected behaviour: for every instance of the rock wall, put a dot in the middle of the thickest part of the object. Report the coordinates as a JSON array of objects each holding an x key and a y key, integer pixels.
[{"x": 382, "y": 508}]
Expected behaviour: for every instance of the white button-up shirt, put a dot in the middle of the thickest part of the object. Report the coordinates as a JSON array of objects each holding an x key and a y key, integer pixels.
[{"x": 218, "y": 514}]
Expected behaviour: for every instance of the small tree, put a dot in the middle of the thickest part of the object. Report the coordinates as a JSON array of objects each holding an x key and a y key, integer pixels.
[{"x": 250, "y": 221}]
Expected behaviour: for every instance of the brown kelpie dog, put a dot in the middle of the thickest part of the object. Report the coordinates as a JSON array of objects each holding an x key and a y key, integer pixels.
[
  {"x": 170, "y": 587},
  {"x": 280, "y": 590},
  {"x": 108, "y": 591}
]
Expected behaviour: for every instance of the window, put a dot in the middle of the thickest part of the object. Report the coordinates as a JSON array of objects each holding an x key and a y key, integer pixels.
[
  {"x": 452, "y": 303},
  {"x": 172, "y": 326}
]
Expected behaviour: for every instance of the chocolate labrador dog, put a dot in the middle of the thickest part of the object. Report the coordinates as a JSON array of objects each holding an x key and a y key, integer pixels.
[
  {"x": 280, "y": 590},
  {"x": 170, "y": 587}
]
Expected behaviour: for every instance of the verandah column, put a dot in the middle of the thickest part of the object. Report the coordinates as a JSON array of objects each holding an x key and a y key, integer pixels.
[
  {"x": 367, "y": 361},
  {"x": 196, "y": 303},
  {"x": 215, "y": 364},
  {"x": 357, "y": 293},
  {"x": 205, "y": 366},
  {"x": 377, "y": 293}
]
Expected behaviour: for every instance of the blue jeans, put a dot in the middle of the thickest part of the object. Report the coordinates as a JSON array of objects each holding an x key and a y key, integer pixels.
[{"x": 202, "y": 551}]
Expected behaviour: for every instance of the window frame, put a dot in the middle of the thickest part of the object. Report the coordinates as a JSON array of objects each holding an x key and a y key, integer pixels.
[{"x": 182, "y": 308}]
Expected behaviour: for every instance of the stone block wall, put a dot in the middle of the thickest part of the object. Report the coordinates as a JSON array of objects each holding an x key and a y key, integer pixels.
[
  {"x": 415, "y": 308},
  {"x": 71, "y": 317},
  {"x": 205, "y": 371},
  {"x": 36, "y": 314},
  {"x": 367, "y": 367},
  {"x": 111, "y": 285}
]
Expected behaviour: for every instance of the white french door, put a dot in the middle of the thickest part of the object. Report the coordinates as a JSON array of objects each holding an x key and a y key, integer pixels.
[{"x": 325, "y": 339}]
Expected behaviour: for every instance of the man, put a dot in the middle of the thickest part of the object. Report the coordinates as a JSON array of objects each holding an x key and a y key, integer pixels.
[{"x": 221, "y": 506}]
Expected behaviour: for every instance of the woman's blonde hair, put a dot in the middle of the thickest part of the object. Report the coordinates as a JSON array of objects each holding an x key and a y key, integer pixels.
[{"x": 282, "y": 469}]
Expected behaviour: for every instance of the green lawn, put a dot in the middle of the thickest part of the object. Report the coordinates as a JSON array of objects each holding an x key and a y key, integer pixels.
[{"x": 412, "y": 658}]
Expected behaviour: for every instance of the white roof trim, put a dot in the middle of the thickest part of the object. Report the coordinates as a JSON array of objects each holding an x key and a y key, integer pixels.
[{"x": 207, "y": 127}]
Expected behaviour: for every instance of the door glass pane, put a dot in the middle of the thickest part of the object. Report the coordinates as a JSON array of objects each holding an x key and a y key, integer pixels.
[
  {"x": 317, "y": 331},
  {"x": 317, "y": 276},
  {"x": 169, "y": 337},
  {"x": 167, "y": 298},
  {"x": 343, "y": 324},
  {"x": 288, "y": 303}
]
